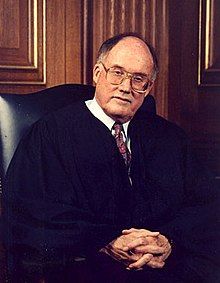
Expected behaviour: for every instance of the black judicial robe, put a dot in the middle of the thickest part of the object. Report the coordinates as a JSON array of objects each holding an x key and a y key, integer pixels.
[{"x": 67, "y": 192}]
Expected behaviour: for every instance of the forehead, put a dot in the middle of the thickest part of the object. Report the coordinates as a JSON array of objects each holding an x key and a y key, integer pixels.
[{"x": 132, "y": 54}]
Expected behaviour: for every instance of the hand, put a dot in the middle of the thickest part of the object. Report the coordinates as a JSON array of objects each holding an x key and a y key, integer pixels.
[
  {"x": 115, "y": 250},
  {"x": 118, "y": 250},
  {"x": 145, "y": 244}
]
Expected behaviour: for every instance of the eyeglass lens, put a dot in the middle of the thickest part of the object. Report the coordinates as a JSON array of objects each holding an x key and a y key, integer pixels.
[{"x": 116, "y": 76}]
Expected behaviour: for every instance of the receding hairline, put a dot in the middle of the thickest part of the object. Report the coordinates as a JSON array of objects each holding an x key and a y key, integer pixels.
[{"x": 144, "y": 45}]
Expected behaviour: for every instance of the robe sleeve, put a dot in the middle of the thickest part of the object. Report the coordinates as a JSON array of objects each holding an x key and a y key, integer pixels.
[{"x": 41, "y": 207}]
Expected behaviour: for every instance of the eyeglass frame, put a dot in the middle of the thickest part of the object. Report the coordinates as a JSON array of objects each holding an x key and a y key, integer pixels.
[{"x": 127, "y": 75}]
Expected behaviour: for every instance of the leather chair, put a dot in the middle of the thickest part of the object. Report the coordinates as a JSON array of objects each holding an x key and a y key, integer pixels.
[{"x": 19, "y": 112}]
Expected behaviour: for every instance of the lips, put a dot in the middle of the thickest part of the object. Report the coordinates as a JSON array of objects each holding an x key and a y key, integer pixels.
[{"x": 122, "y": 99}]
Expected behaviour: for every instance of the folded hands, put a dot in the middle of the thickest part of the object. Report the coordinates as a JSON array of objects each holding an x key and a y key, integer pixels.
[{"x": 137, "y": 248}]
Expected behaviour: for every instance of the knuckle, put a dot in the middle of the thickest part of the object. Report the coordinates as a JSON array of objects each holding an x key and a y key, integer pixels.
[
  {"x": 148, "y": 257},
  {"x": 152, "y": 265}
]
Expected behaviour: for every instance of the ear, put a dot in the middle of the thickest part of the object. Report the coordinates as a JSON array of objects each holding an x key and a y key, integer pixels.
[
  {"x": 96, "y": 72},
  {"x": 149, "y": 88}
]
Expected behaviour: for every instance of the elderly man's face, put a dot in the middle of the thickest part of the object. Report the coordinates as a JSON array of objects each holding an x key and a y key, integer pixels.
[{"x": 120, "y": 102}]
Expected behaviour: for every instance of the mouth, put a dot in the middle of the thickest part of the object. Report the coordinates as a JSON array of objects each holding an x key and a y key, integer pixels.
[{"x": 122, "y": 99}]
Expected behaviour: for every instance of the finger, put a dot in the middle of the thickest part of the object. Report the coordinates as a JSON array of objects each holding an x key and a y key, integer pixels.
[
  {"x": 147, "y": 233},
  {"x": 134, "y": 257},
  {"x": 155, "y": 264},
  {"x": 167, "y": 253},
  {"x": 140, "y": 240},
  {"x": 121, "y": 256},
  {"x": 162, "y": 241},
  {"x": 142, "y": 232},
  {"x": 151, "y": 249},
  {"x": 128, "y": 231},
  {"x": 141, "y": 262},
  {"x": 135, "y": 243}
]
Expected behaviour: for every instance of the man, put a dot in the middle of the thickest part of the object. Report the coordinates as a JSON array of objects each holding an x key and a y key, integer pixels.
[{"x": 111, "y": 187}]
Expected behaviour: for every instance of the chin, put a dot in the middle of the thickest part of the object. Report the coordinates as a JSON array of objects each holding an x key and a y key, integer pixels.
[
  {"x": 122, "y": 117},
  {"x": 119, "y": 112}
]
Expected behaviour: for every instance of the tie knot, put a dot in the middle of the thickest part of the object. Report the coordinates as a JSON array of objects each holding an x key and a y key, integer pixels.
[{"x": 118, "y": 128}]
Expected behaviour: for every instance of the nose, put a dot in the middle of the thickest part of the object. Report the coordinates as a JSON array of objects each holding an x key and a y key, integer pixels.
[{"x": 125, "y": 85}]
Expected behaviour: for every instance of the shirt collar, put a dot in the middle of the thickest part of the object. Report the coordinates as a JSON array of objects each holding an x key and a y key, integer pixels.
[{"x": 98, "y": 112}]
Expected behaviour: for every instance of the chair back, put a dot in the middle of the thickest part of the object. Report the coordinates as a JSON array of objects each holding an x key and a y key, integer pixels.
[{"x": 19, "y": 112}]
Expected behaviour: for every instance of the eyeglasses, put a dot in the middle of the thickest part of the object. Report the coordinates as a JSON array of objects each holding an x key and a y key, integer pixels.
[{"x": 116, "y": 75}]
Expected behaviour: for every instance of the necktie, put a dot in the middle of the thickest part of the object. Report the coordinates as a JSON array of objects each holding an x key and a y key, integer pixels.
[{"x": 121, "y": 144}]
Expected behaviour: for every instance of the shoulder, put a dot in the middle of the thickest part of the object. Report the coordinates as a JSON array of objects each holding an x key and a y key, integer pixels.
[
  {"x": 165, "y": 128},
  {"x": 58, "y": 123},
  {"x": 159, "y": 127},
  {"x": 64, "y": 116},
  {"x": 169, "y": 136}
]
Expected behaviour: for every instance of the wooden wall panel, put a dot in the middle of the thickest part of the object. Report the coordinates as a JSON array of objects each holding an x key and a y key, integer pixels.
[
  {"x": 74, "y": 37},
  {"x": 207, "y": 122},
  {"x": 209, "y": 43},
  {"x": 113, "y": 17},
  {"x": 195, "y": 106},
  {"x": 9, "y": 18},
  {"x": 49, "y": 34},
  {"x": 159, "y": 26},
  {"x": 56, "y": 42},
  {"x": 22, "y": 37}
]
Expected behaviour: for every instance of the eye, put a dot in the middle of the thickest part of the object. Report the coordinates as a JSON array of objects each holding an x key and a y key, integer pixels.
[
  {"x": 138, "y": 79},
  {"x": 117, "y": 72}
]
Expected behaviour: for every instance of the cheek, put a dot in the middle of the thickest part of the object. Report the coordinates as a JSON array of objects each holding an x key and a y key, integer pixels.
[{"x": 103, "y": 94}]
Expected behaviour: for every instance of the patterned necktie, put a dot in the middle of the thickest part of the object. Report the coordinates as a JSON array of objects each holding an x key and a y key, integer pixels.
[{"x": 121, "y": 144}]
